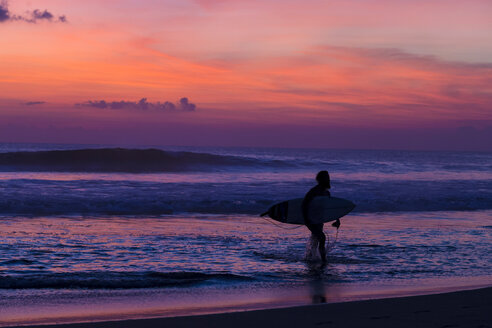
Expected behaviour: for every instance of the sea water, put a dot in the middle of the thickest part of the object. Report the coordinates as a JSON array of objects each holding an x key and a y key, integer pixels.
[{"x": 185, "y": 234}]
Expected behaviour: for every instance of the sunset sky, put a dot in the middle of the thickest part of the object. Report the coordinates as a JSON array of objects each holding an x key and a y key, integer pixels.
[{"x": 401, "y": 74}]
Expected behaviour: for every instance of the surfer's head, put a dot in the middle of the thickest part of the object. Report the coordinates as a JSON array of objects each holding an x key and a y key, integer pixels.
[{"x": 323, "y": 179}]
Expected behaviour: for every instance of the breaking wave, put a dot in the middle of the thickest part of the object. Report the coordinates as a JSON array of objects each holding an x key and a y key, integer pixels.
[
  {"x": 125, "y": 160},
  {"x": 97, "y": 197}
]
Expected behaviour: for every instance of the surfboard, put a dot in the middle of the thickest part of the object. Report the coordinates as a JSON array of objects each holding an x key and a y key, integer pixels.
[{"x": 321, "y": 209}]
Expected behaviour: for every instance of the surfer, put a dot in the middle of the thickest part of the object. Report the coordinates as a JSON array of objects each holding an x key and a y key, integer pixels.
[{"x": 321, "y": 189}]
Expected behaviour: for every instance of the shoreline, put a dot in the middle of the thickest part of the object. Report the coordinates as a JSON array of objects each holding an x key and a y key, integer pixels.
[{"x": 467, "y": 307}]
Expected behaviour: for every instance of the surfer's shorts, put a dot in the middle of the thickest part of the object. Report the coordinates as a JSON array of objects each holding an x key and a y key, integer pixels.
[{"x": 317, "y": 230}]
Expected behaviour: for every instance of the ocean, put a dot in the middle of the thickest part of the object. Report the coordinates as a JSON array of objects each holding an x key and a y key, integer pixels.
[{"x": 176, "y": 230}]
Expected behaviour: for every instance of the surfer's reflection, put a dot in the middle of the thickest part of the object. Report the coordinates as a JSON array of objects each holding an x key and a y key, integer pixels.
[{"x": 317, "y": 291}]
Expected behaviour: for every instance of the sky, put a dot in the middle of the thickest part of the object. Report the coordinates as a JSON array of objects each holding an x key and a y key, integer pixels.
[{"x": 363, "y": 74}]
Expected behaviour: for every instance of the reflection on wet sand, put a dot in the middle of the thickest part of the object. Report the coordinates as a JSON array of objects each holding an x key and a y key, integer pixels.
[{"x": 316, "y": 272}]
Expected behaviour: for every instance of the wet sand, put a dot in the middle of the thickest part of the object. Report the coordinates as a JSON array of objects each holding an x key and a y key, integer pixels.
[{"x": 470, "y": 308}]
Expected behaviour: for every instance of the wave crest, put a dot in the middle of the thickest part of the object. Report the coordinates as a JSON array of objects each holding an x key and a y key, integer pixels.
[
  {"x": 97, "y": 197},
  {"x": 123, "y": 160}
]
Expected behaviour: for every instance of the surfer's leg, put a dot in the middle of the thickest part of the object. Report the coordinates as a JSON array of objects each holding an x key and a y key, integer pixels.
[
  {"x": 317, "y": 231},
  {"x": 322, "y": 242},
  {"x": 312, "y": 248}
]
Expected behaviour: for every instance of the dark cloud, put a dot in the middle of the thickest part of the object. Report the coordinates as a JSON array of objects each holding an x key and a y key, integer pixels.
[
  {"x": 4, "y": 12},
  {"x": 38, "y": 14},
  {"x": 183, "y": 105},
  {"x": 32, "y": 103},
  {"x": 31, "y": 17},
  {"x": 186, "y": 106}
]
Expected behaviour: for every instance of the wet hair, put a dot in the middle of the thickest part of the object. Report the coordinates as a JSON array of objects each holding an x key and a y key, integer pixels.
[{"x": 322, "y": 176}]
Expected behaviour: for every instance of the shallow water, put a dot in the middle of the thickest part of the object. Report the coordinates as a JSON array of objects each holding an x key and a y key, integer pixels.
[
  {"x": 113, "y": 267},
  {"x": 116, "y": 252}
]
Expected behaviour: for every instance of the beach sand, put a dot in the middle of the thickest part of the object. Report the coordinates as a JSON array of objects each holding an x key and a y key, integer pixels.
[{"x": 470, "y": 308}]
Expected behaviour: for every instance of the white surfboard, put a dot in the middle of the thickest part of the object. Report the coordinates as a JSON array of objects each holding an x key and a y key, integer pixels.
[{"x": 321, "y": 209}]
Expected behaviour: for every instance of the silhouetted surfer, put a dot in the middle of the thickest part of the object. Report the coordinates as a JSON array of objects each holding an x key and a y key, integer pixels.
[{"x": 321, "y": 189}]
